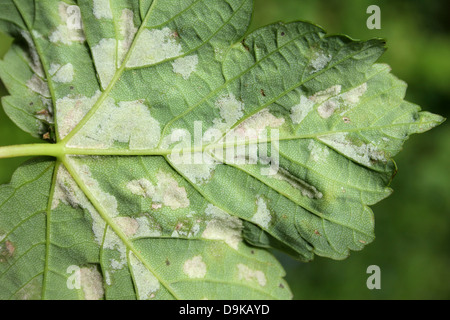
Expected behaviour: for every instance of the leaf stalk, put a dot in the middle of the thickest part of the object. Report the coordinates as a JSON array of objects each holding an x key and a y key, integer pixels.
[{"x": 27, "y": 150}]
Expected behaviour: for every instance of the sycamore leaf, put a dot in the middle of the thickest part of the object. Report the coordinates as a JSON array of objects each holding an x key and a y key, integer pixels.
[{"x": 179, "y": 147}]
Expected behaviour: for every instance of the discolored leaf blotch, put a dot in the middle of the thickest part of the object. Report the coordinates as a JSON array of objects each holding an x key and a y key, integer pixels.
[{"x": 123, "y": 89}]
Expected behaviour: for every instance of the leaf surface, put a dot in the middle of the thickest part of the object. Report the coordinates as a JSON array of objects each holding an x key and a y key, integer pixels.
[{"x": 128, "y": 88}]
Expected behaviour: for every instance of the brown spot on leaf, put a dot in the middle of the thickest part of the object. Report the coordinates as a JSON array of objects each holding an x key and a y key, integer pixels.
[
  {"x": 178, "y": 226},
  {"x": 7, "y": 251},
  {"x": 43, "y": 112},
  {"x": 10, "y": 247},
  {"x": 244, "y": 45},
  {"x": 156, "y": 206}
]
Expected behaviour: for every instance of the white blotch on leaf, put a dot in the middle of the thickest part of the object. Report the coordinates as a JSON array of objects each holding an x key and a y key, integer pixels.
[
  {"x": 115, "y": 244},
  {"x": 200, "y": 173},
  {"x": 153, "y": 46},
  {"x": 195, "y": 268},
  {"x": 256, "y": 125},
  {"x": 230, "y": 110},
  {"x": 198, "y": 167},
  {"x": 107, "y": 278},
  {"x": 317, "y": 151},
  {"x": 331, "y": 99},
  {"x": 185, "y": 66},
  {"x": 141, "y": 187},
  {"x": 181, "y": 137},
  {"x": 327, "y": 108},
  {"x": 262, "y": 217},
  {"x": 319, "y": 61},
  {"x": 68, "y": 192},
  {"x": 175, "y": 234},
  {"x": 363, "y": 153},
  {"x": 63, "y": 74},
  {"x": 305, "y": 188},
  {"x": 223, "y": 227},
  {"x": 352, "y": 96},
  {"x": 146, "y": 283},
  {"x": 105, "y": 57},
  {"x": 127, "y": 225},
  {"x": 219, "y": 54},
  {"x": 102, "y": 9},
  {"x": 328, "y": 100},
  {"x": 71, "y": 29},
  {"x": 169, "y": 192},
  {"x": 106, "y": 200},
  {"x": 127, "y": 32},
  {"x": 194, "y": 230},
  {"x": 247, "y": 274},
  {"x": 65, "y": 35},
  {"x": 146, "y": 229},
  {"x": 39, "y": 86},
  {"x": 197, "y": 173},
  {"x": 130, "y": 122},
  {"x": 36, "y": 34},
  {"x": 92, "y": 283},
  {"x": 187, "y": 230},
  {"x": 70, "y": 111},
  {"x": 166, "y": 192},
  {"x": 301, "y": 110},
  {"x": 35, "y": 61},
  {"x": 322, "y": 96},
  {"x": 110, "y": 53}
]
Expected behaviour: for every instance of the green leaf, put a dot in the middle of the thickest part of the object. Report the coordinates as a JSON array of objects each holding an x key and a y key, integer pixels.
[{"x": 290, "y": 136}]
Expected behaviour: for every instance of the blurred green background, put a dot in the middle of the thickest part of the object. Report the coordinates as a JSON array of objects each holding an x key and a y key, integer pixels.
[{"x": 412, "y": 247}]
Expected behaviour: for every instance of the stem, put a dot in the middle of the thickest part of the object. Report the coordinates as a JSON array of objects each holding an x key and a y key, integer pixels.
[{"x": 26, "y": 150}]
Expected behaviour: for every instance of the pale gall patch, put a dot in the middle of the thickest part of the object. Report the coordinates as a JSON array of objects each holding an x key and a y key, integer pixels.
[
  {"x": 195, "y": 268},
  {"x": 250, "y": 275},
  {"x": 185, "y": 66},
  {"x": 92, "y": 283}
]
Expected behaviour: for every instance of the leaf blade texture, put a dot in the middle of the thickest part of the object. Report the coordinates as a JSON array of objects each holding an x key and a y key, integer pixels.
[{"x": 120, "y": 85}]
